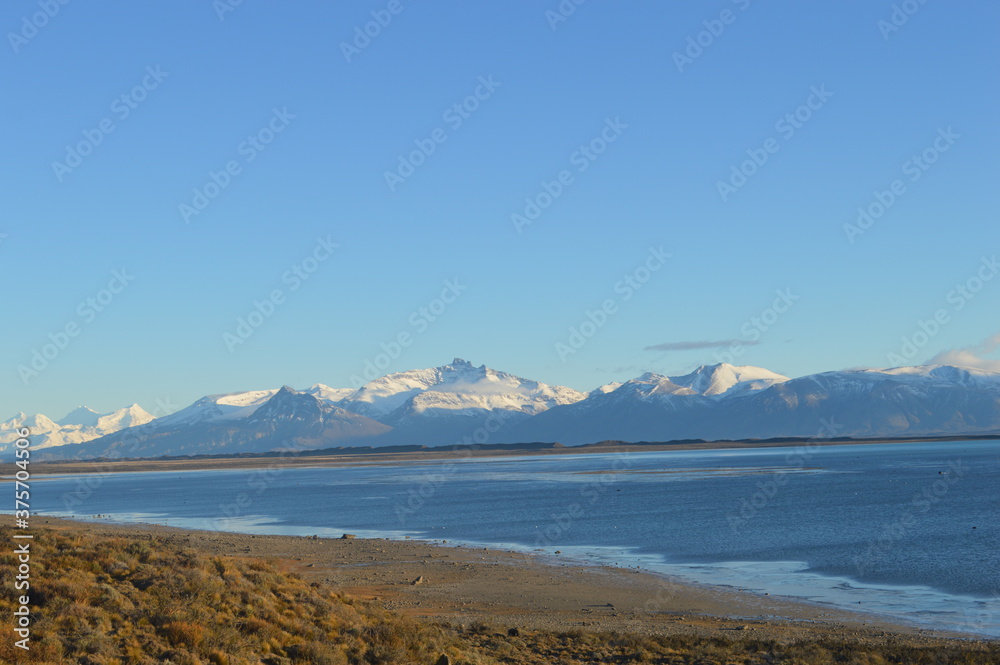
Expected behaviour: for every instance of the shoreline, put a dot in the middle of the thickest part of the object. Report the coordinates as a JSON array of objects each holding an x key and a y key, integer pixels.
[{"x": 462, "y": 584}]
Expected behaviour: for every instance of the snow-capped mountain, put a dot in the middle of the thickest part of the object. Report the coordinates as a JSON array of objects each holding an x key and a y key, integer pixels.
[
  {"x": 906, "y": 401},
  {"x": 720, "y": 402},
  {"x": 39, "y": 424},
  {"x": 454, "y": 387},
  {"x": 646, "y": 408},
  {"x": 83, "y": 416},
  {"x": 212, "y": 408},
  {"x": 282, "y": 420},
  {"x": 441, "y": 405},
  {"x": 445, "y": 405},
  {"x": 606, "y": 388},
  {"x": 704, "y": 385},
  {"x": 725, "y": 380},
  {"x": 234, "y": 406},
  {"x": 81, "y": 424},
  {"x": 328, "y": 394},
  {"x": 436, "y": 406}
]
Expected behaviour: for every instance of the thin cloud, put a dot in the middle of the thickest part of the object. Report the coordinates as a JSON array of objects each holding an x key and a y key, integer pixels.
[
  {"x": 971, "y": 356},
  {"x": 699, "y": 344}
]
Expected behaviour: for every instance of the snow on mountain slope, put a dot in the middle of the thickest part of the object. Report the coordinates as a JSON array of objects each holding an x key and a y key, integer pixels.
[
  {"x": 605, "y": 389},
  {"x": 436, "y": 406},
  {"x": 288, "y": 405},
  {"x": 444, "y": 405},
  {"x": 725, "y": 379},
  {"x": 911, "y": 401},
  {"x": 227, "y": 406},
  {"x": 708, "y": 381},
  {"x": 328, "y": 394},
  {"x": 81, "y": 415},
  {"x": 238, "y": 405},
  {"x": 128, "y": 417},
  {"x": 454, "y": 389},
  {"x": 460, "y": 403},
  {"x": 286, "y": 420},
  {"x": 76, "y": 427},
  {"x": 940, "y": 374},
  {"x": 38, "y": 422},
  {"x": 654, "y": 385}
]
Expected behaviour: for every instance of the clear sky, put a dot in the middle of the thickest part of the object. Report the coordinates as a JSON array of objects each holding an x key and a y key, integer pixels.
[{"x": 559, "y": 160}]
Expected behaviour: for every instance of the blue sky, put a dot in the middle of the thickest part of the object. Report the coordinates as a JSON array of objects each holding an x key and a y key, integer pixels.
[{"x": 310, "y": 127}]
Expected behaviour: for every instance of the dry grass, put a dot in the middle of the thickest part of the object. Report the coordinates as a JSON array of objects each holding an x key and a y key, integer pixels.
[{"x": 104, "y": 601}]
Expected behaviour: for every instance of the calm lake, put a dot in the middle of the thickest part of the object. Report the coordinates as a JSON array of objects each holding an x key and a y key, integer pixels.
[{"x": 906, "y": 530}]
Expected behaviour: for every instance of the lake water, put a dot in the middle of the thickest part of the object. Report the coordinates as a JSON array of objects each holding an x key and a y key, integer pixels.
[{"x": 911, "y": 531}]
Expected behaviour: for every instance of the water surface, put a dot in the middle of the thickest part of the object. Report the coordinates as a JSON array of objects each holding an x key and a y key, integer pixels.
[{"x": 907, "y": 530}]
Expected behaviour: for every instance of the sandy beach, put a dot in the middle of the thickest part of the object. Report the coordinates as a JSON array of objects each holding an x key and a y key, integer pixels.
[{"x": 462, "y": 586}]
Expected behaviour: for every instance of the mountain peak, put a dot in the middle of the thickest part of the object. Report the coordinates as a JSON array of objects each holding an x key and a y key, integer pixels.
[
  {"x": 289, "y": 404},
  {"x": 606, "y": 388},
  {"x": 18, "y": 418},
  {"x": 130, "y": 416},
  {"x": 454, "y": 389},
  {"x": 649, "y": 377},
  {"x": 81, "y": 415},
  {"x": 722, "y": 378}
]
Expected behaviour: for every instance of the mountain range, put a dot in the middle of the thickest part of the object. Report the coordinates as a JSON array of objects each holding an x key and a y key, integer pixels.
[
  {"x": 79, "y": 425},
  {"x": 459, "y": 403}
]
